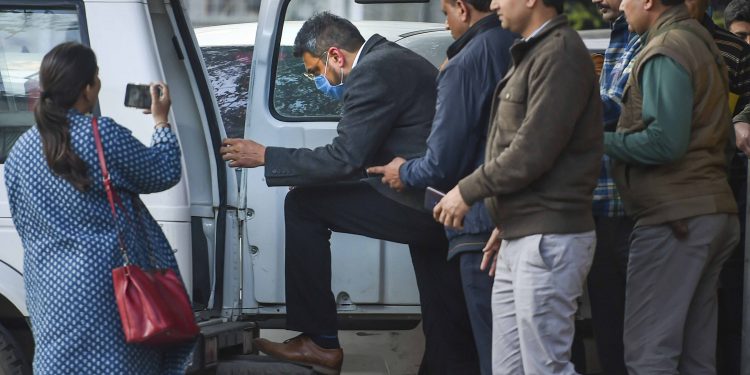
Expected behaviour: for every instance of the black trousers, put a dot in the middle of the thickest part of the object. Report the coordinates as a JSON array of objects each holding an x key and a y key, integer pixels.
[
  {"x": 606, "y": 286},
  {"x": 478, "y": 292},
  {"x": 731, "y": 281},
  {"x": 311, "y": 215}
]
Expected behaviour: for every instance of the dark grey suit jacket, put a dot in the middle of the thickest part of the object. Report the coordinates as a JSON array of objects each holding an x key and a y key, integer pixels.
[{"x": 389, "y": 102}]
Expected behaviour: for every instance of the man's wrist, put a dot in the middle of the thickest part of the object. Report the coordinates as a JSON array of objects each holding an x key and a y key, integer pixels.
[
  {"x": 470, "y": 190},
  {"x": 402, "y": 173}
]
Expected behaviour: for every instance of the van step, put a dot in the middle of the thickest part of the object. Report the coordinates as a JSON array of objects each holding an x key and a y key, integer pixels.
[
  {"x": 219, "y": 341},
  {"x": 260, "y": 365}
]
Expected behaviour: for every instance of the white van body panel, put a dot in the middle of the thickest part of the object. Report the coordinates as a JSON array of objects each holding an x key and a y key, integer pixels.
[
  {"x": 134, "y": 59},
  {"x": 11, "y": 287}
]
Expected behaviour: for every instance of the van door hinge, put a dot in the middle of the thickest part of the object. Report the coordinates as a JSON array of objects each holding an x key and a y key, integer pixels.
[{"x": 246, "y": 214}]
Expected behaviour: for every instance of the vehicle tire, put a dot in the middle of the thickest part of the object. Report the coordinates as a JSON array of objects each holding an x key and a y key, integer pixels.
[{"x": 12, "y": 359}]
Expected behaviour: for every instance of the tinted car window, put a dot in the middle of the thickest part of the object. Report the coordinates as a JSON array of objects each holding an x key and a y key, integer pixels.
[
  {"x": 229, "y": 72},
  {"x": 25, "y": 36},
  {"x": 296, "y": 95}
]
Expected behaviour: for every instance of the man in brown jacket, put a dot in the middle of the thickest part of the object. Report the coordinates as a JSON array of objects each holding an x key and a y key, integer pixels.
[
  {"x": 670, "y": 169},
  {"x": 544, "y": 150}
]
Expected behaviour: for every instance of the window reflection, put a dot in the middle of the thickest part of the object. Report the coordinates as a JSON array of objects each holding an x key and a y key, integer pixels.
[{"x": 26, "y": 35}]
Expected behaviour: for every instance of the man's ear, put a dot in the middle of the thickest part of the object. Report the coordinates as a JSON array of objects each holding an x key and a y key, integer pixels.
[
  {"x": 648, "y": 4},
  {"x": 336, "y": 57},
  {"x": 464, "y": 11},
  {"x": 530, "y": 3}
]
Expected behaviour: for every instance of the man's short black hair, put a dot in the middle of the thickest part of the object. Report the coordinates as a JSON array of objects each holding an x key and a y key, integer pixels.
[
  {"x": 557, "y": 4},
  {"x": 325, "y": 30},
  {"x": 480, "y": 5},
  {"x": 671, "y": 3},
  {"x": 737, "y": 10}
]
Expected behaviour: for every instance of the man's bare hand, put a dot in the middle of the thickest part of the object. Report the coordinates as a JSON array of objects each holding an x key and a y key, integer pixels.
[
  {"x": 390, "y": 173},
  {"x": 491, "y": 250},
  {"x": 742, "y": 131},
  {"x": 450, "y": 211},
  {"x": 243, "y": 153}
]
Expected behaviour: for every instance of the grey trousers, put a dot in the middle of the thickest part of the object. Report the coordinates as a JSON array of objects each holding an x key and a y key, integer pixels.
[
  {"x": 670, "y": 298},
  {"x": 537, "y": 281}
]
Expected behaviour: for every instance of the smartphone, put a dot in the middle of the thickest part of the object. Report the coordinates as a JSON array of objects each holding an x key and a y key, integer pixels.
[
  {"x": 432, "y": 197},
  {"x": 138, "y": 96}
]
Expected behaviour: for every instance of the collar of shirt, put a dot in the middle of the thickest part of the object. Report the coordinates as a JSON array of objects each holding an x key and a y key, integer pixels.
[
  {"x": 359, "y": 52},
  {"x": 618, "y": 39},
  {"x": 488, "y": 22},
  {"x": 620, "y": 26},
  {"x": 533, "y": 34}
]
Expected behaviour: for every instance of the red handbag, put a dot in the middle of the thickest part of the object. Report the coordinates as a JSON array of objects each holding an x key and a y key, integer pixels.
[{"x": 154, "y": 307}]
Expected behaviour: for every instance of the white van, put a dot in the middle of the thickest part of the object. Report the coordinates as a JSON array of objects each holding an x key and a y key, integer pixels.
[{"x": 225, "y": 226}]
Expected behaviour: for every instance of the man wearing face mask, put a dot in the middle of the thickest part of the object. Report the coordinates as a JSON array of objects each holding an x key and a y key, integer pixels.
[{"x": 388, "y": 94}]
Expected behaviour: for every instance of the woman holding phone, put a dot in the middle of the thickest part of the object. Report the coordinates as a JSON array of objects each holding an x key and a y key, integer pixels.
[{"x": 70, "y": 239}]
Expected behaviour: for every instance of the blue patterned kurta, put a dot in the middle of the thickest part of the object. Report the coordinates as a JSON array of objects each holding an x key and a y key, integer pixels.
[{"x": 69, "y": 240}]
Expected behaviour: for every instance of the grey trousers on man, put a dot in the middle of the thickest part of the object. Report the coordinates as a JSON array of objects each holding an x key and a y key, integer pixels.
[
  {"x": 670, "y": 297},
  {"x": 537, "y": 281}
]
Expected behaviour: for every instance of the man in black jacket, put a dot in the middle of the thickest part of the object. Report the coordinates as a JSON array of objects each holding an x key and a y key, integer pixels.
[
  {"x": 478, "y": 59},
  {"x": 388, "y": 97}
]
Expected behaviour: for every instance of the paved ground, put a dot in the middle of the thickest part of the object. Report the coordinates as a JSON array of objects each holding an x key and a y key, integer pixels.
[
  {"x": 378, "y": 353},
  {"x": 373, "y": 352}
]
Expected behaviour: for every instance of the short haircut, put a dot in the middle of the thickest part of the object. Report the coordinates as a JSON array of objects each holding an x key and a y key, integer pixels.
[
  {"x": 671, "y": 3},
  {"x": 325, "y": 30},
  {"x": 737, "y": 10},
  {"x": 480, "y": 5},
  {"x": 557, "y": 4}
]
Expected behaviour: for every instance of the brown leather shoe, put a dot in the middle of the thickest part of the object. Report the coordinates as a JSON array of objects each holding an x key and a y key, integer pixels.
[{"x": 302, "y": 350}]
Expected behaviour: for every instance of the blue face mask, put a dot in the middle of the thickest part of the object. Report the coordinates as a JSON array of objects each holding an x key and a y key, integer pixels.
[{"x": 321, "y": 82}]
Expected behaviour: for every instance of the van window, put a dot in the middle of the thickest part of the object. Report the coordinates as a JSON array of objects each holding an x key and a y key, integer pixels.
[
  {"x": 228, "y": 70},
  {"x": 26, "y": 35},
  {"x": 294, "y": 94}
]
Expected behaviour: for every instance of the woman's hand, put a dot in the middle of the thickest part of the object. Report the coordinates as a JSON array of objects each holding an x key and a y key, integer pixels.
[{"x": 159, "y": 103}]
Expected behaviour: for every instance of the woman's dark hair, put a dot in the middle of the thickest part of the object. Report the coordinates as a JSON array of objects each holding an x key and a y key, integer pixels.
[{"x": 64, "y": 73}]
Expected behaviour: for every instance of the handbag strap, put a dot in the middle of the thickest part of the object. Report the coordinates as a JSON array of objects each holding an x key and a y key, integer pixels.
[{"x": 112, "y": 196}]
